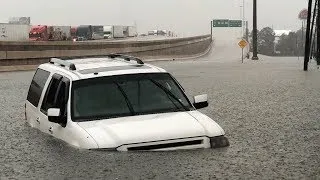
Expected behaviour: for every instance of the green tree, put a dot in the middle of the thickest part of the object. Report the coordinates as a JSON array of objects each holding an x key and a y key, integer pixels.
[
  {"x": 288, "y": 45},
  {"x": 301, "y": 36},
  {"x": 266, "y": 38},
  {"x": 292, "y": 44},
  {"x": 265, "y": 41}
]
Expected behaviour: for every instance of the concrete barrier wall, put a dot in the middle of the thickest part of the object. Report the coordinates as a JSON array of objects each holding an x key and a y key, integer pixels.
[
  {"x": 3, "y": 54},
  {"x": 19, "y": 53},
  {"x": 188, "y": 50}
]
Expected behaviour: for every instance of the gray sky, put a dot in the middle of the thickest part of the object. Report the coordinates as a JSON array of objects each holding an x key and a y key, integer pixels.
[{"x": 186, "y": 17}]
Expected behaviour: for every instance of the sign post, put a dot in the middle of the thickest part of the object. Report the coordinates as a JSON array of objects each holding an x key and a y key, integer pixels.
[
  {"x": 242, "y": 55},
  {"x": 242, "y": 44}
]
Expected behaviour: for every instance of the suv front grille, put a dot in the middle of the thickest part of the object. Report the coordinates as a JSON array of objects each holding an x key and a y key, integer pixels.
[{"x": 167, "y": 145}]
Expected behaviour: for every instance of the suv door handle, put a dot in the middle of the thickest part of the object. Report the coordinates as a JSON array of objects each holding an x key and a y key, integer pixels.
[{"x": 50, "y": 130}]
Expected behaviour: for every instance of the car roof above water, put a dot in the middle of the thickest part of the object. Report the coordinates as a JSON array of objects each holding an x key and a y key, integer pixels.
[{"x": 85, "y": 68}]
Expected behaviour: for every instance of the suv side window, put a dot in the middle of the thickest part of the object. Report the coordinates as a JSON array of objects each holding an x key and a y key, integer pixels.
[
  {"x": 61, "y": 98},
  {"x": 48, "y": 101},
  {"x": 57, "y": 95},
  {"x": 37, "y": 84}
]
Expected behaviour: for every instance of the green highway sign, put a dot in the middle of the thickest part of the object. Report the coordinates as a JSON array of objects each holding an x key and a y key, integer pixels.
[
  {"x": 235, "y": 23},
  {"x": 221, "y": 23},
  {"x": 226, "y": 23}
]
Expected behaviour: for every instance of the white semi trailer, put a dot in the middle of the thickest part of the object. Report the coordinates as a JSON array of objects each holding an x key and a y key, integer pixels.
[
  {"x": 117, "y": 32},
  {"x": 14, "y": 32},
  {"x": 132, "y": 31}
]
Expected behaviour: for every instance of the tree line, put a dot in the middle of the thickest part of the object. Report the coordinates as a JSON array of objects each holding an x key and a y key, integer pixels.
[{"x": 291, "y": 44}]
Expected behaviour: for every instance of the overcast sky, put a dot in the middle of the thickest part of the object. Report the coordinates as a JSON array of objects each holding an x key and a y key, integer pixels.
[{"x": 187, "y": 17}]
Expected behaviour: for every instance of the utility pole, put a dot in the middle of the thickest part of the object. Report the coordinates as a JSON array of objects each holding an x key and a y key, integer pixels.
[
  {"x": 318, "y": 35},
  {"x": 307, "y": 46},
  {"x": 255, "y": 32},
  {"x": 243, "y": 19},
  {"x": 241, "y": 32},
  {"x": 211, "y": 30},
  {"x": 247, "y": 31},
  {"x": 312, "y": 36}
]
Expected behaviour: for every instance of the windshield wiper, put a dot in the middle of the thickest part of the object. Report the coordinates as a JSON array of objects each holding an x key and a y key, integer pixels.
[
  {"x": 126, "y": 98},
  {"x": 169, "y": 93}
]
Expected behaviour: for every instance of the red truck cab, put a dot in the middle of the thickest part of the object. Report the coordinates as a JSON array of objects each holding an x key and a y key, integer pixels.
[{"x": 39, "y": 33}]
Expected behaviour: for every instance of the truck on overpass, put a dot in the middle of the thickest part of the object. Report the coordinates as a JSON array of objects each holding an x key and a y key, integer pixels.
[
  {"x": 50, "y": 33},
  {"x": 14, "y": 32},
  {"x": 89, "y": 32}
]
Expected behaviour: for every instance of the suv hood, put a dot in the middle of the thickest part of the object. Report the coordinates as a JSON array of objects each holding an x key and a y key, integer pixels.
[{"x": 113, "y": 133}]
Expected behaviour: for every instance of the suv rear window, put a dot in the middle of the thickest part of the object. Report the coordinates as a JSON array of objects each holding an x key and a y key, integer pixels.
[{"x": 36, "y": 87}]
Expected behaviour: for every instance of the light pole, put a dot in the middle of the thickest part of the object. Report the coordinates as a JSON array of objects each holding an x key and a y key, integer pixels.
[
  {"x": 255, "y": 32},
  {"x": 243, "y": 19},
  {"x": 307, "y": 44},
  {"x": 242, "y": 16},
  {"x": 318, "y": 35}
]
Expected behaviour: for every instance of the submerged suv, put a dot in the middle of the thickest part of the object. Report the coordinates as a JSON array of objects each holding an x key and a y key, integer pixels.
[{"x": 117, "y": 102}]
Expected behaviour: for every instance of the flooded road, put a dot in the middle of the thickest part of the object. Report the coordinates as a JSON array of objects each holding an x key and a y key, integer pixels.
[{"x": 270, "y": 110}]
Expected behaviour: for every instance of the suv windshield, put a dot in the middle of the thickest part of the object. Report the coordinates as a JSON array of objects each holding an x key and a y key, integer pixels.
[{"x": 126, "y": 95}]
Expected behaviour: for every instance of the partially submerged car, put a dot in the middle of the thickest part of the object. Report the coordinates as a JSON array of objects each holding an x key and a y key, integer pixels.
[{"x": 117, "y": 102}]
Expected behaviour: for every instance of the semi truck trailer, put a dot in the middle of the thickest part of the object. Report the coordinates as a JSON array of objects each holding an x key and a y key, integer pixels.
[
  {"x": 118, "y": 32},
  {"x": 14, "y": 32}
]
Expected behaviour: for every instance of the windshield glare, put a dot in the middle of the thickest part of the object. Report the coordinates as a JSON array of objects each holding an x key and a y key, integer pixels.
[{"x": 126, "y": 95}]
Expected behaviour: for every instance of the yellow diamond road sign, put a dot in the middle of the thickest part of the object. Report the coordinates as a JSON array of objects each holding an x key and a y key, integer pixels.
[{"x": 243, "y": 43}]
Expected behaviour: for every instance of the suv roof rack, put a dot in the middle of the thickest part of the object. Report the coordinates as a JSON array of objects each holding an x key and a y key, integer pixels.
[
  {"x": 126, "y": 57},
  {"x": 63, "y": 63}
]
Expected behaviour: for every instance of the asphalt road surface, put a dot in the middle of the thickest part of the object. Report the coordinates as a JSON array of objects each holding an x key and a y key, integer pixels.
[{"x": 270, "y": 110}]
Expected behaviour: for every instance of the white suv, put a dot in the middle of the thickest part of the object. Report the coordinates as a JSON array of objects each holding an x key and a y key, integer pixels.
[{"x": 119, "y": 103}]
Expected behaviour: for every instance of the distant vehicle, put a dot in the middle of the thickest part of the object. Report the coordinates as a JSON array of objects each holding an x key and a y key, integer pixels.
[
  {"x": 152, "y": 33},
  {"x": 97, "y": 32},
  {"x": 170, "y": 34},
  {"x": 14, "y": 32},
  {"x": 39, "y": 33},
  {"x": 118, "y": 32},
  {"x": 60, "y": 33},
  {"x": 84, "y": 32},
  {"x": 107, "y": 32},
  {"x": 89, "y": 32},
  {"x": 132, "y": 31},
  {"x": 161, "y": 32},
  {"x": 50, "y": 33},
  {"x": 123, "y": 105},
  {"x": 143, "y": 35}
]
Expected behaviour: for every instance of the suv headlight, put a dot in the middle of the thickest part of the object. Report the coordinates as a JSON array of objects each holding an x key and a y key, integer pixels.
[{"x": 218, "y": 142}]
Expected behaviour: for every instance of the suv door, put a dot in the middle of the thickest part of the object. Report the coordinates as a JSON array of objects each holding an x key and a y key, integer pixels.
[
  {"x": 49, "y": 102},
  {"x": 36, "y": 91}
]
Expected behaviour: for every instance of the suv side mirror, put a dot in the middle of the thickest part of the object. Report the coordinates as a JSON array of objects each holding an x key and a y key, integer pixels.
[
  {"x": 53, "y": 115},
  {"x": 200, "y": 101}
]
